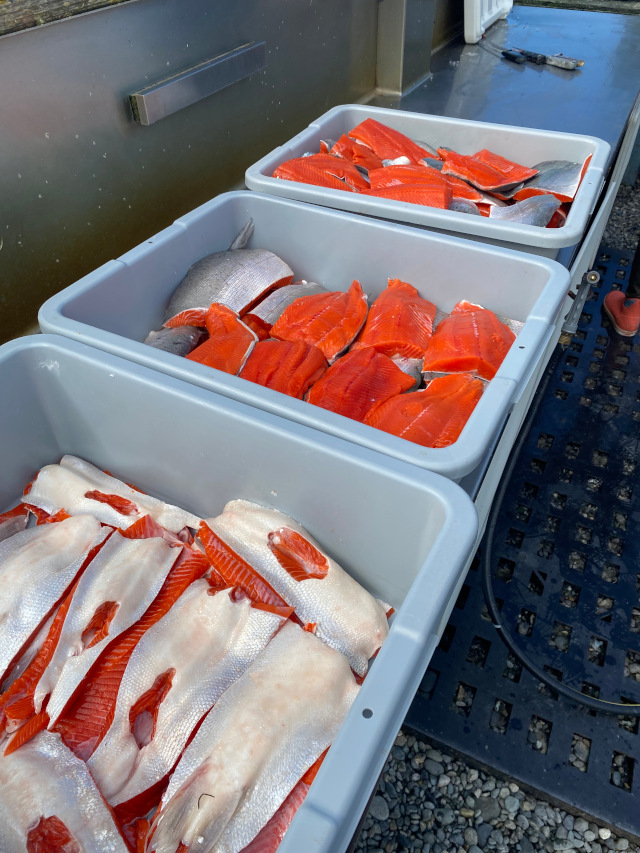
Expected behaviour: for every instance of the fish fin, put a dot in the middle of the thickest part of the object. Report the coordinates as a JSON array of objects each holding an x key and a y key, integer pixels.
[
  {"x": 296, "y": 555},
  {"x": 148, "y": 528},
  {"x": 243, "y": 237},
  {"x": 37, "y": 723},
  {"x": 121, "y": 505},
  {"x": 143, "y": 714}
]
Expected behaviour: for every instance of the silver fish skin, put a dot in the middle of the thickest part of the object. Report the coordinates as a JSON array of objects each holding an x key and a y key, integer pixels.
[
  {"x": 433, "y": 153},
  {"x": 209, "y": 640},
  {"x": 238, "y": 278},
  {"x": 411, "y": 366},
  {"x": 557, "y": 176},
  {"x": 536, "y": 210},
  {"x": 274, "y": 304},
  {"x": 65, "y": 486},
  {"x": 128, "y": 572},
  {"x": 43, "y": 779},
  {"x": 464, "y": 205},
  {"x": 257, "y": 741},
  {"x": 181, "y": 340},
  {"x": 434, "y": 162},
  {"x": 36, "y": 567},
  {"x": 347, "y": 617},
  {"x": 13, "y": 525}
]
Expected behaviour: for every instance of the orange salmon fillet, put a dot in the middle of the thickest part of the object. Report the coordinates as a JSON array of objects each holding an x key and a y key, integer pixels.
[
  {"x": 304, "y": 171},
  {"x": 358, "y": 382},
  {"x": 390, "y": 176},
  {"x": 427, "y": 194},
  {"x": 434, "y": 417},
  {"x": 481, "y": 175},
  {"x": 328, "y": 321},
  {"x": 230, "y": 341},
  {"x": 400, "y": 322},
  {"x": 386, "y": 142},
  {"x": 356, "y": 153},
  {"x": 471, "y": 339},
  {"x": 514, "y": 172},
  {"x": 290, "y": 367}
]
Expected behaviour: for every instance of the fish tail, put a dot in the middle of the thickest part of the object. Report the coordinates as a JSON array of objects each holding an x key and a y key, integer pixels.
[{"x": 243, "y": 237}]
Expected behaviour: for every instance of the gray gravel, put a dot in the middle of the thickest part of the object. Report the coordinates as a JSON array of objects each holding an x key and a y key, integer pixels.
[
  {"x": 429, "y": 802},
  {"x": 464, "y": 810}
]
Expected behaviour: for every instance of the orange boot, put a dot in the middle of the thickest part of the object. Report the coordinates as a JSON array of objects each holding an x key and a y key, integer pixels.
[{"x": 624, "y": 313}]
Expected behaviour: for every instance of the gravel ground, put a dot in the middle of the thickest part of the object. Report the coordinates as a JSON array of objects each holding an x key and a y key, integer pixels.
[{"x": 430, "y": 802}]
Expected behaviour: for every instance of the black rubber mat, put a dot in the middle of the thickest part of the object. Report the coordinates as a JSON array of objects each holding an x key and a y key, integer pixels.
[{"x": 566, "y": 573}]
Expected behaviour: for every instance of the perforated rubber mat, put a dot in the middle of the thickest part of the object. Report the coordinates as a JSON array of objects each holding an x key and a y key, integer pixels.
[{"x": 566, "y": 574}]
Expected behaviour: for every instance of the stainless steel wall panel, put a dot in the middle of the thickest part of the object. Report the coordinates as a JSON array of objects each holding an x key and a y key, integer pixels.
[{"x": 82, "y": 182}]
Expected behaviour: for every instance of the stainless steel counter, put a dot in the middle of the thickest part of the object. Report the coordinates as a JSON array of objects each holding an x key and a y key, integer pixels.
[{"x": 470, "y": 81}]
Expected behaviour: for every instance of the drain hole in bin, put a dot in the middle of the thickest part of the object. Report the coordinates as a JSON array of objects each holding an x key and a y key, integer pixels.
[
  {"x": 629, "y": 724},
  {"x": 545, "y": 441},
  {"x": 512, "y": 669},
  {"x": 589, "y": 511},
  {"x": 570, "y": 594},
  {"x": 628, "y": 467},
  {"x": 632, "y": 665},
  {"x": 529, "y": 490},
  {"x": 558, "y": 501},
  {"x": 619, "y": 520},
  {"x": 610, "y": 573},
  {"x": 463, "y": 595},
  {"x": 577, "y": 561},
  {"x": 594, "y": 484},
  {"x": 504, "y": 570},
  {"x": 635, "y": 620},
  {"x": 522, "y": 513},
  {"x": 447, "y": 638},
  {"x": 546, "y": 549},
  {"x": 604, "y": 607},
  {"x": 536, "y": 582},
  {"x": 543, "y": 688},
  {"x": 572, "y": 449},
  {"x": 600, "y": 458},
  {"x": 526, "y": 620},
  {"x": 514, "y": 537}
]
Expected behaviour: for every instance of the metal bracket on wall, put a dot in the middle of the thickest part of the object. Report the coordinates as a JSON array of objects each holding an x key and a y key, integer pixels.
[{"x": 188, "y": 87}]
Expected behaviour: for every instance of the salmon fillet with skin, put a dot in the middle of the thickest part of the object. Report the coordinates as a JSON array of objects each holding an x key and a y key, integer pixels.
[
  {"x": 358, "y": 382},
  {"x": 391, "y": 176},
  {"x": 434, "y": 417},
  {"x": 514, "y": 172},
  {"x": 328, "y": 321},
  {"x": 290, "y": 367},
  {"x": 356, "y": 153},
  {"x": 399, "y": 323},
  {"x": 481, "y": 175},
  {"x": 230, "y": 341},
  {"x": 387, "y": 143},
  {"x": 428, "y": 195},
  {"x": 471, "y": 339},
  {"x": 303, "y": 170}
]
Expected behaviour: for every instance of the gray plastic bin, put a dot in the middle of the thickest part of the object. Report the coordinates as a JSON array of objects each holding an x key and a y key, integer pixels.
[
  {"x": 406, "y": 538},
  {"x": 114, "y": 307},
  {"x": 524, "y": 145}
]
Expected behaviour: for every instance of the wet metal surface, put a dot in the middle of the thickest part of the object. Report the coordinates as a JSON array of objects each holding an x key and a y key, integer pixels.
[
  {"x": 566, "y": 577},
  {"x": 82, "y": 182},
  {"x": 472, "y": 82}
]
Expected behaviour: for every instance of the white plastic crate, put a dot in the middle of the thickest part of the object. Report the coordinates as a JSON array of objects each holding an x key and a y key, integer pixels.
[
  {"x": 524, "y": 145},
  {"x": 406, "y": 538},
  {"x": 480, "y": 14},
  {"x": 115, "y": 307}
]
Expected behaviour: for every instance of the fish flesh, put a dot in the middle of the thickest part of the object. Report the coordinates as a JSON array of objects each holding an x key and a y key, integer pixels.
[
  {"x": 230, "y": 341},
  {"x": 36, "y": 568},
  {"x": 282, "y": 552},
  {"x": 87, "y": 717},
  {"x": 13, "y": 521},
  {"x": 536, "y": 210},
  {"x": 255, "y": 744},
  {"x": 338, "y": 167},
  {"x": 561, "y": 178},
  {"x": 391, "y": 176},
  {"x": 477, "y": 173},
  {"x": 270, "y": 309},
  {"x": 434, "y": 417},
  {"x": 461, "y": 190},
  {"x": 399, "y": 323},
  {"x": 180, "y": 340},
  {"x": 79, "y": 487},
  {"x": 515, "y": 172},
  {"x": 50, "y": 804},
  {"x": 328, "y": 321},
  {"x": 114, "y": 591},
  {"x": 358, "y": 154},
  {"x": 272, "y": 833},
  {"x": 358, "y": 382},
  {"x": 238, "y": 277},
  {"x": 290, "y": 367},
  {"x": 429, "y": 195},
  {"x": 202, "y": 645},
  {"x": 303, "y": 170},
  {"x": 471, "y": 339},
  {"x": 386, "y": 143}
]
